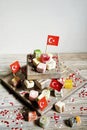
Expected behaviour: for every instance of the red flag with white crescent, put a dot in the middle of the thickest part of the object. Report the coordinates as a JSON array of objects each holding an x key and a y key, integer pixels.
[
  {"x": 42, "y": 103},
  {"x": 15, "y": 67},
  {"x": 52, "y": 40},
  {"x": 56, "y": 85}
]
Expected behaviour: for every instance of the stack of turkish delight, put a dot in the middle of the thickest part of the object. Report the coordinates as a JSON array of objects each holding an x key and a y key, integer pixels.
[{"x": 41, "y": 91}]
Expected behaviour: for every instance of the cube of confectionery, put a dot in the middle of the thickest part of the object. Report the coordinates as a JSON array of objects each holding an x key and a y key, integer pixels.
[
  {"x": 44, "y": 58},
  {"x": 78, "y": 119},
  {"x": 33, "y": 94},
  {"x": 50, "y": 55},
  {"x": 68, "y": 84},
  {"x": 60, "y": 106},
  {"x": 72, "y": 122},
  {"x": 51, "y": 65},
  {"x": 58, "y": 93},
  {"x": 43, "y": 83},
  {"x": 35, "y": 61},
  {"x": 40, "y": 96},
  {"x": 46, "y": 93},
  {"x": 15, "y": 81},
  {"x": 37, "y": 53},
  {"x": 51, "y": 58},
  {"x": 30, "y": 58},
  {"x": 44, "y": 121},
  {"x": 29, "y": 83},
  {"x": 32, "y": 116},
  {"x": 41, "y": 67}
]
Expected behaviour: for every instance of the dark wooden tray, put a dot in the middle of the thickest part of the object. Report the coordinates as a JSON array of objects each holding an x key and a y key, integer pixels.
[
  {"x": 19, "y": 93},
  {"x": 32, "y": 74},
  {"x": 65, "y": 71}
]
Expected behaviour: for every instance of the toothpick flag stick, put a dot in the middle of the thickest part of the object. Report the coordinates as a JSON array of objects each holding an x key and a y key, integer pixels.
[{"x": 46, "y": 49}]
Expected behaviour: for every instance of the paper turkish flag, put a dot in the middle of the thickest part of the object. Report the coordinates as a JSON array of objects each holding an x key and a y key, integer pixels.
[
  {"x": 56, "y": 85},
  {"x": 52, "y": 40},
  {"x": 15, "y": 66},
  {"x": 42, "y": 103}
]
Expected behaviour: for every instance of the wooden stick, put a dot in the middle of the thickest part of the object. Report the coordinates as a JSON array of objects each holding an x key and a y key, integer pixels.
[
  {"x": 14, "y": 74},
  {"x": 46, "y": 49}
]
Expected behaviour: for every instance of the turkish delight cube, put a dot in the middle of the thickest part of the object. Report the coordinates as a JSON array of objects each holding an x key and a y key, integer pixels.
[{"x": 60, "y": 106}]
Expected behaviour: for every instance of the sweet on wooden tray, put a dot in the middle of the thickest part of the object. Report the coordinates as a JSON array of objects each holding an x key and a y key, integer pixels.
[{"x": 43, "y": 66}]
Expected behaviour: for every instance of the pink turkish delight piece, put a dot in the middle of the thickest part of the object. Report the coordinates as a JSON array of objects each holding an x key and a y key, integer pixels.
[
  {"x": 32, "y": 116},
  {"x": 33, "y": 95},
  {"x": 44, "y": 58},
  {"x": 41, "y": 67}
]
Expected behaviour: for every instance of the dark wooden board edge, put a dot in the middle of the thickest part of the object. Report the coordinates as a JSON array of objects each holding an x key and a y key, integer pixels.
[
  {"x": 25, "y": 101},
  {"x": 18, "y": 96}
]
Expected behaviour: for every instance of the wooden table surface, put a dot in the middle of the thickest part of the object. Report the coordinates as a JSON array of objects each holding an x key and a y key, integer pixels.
[{"x": 76, "y": 104}]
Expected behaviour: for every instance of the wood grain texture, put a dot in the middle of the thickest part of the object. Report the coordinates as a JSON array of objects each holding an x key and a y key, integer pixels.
[{"x": 76, "y": 104}]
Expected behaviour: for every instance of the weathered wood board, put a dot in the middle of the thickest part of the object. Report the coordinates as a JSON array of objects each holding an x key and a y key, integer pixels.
[
  {"x": 20, "y": 94},
  {"x": 65, "y": 71}
]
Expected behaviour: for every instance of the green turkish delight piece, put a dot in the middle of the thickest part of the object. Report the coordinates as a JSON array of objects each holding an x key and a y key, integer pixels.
[
  {"x": 37, "y": 53},
  {"x": 44, "y": 121}
]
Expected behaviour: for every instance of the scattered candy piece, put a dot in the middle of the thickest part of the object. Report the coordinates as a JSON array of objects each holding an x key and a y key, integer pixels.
[
  {"x": 32, "y": 116},
  {"x": 58, "y": 93},
  {"x": 60, "y": 106},
  {"x": 68, "y": 84},
  {"x": 33, "y": 95},
  {"x": 51, "y": 65},
  {"x": 30, "y": 58},
  {"x": 29, "y": 83},
  {"x": 43, "y": 83},
  {"x": 40, "y": 96},
  {"x": 41, "y": 67},
  {"x": 46, "y": 93},
  {"x": 78, "y": 119},
  {"x": 44, "y": 58},
  {"x": 44, "y": 121},
  {"x": 15, "y": 81},
  {"x": 73, "y": 121},
  {"x": 35, "y": 61},
  {"x": 37, "y": 53}
]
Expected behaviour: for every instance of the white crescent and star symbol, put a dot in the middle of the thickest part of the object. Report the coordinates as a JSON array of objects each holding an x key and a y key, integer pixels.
[
  {"x": 54, "y": 84},
  {"x": 14, "y": 67},
  {"x": 41, "y": 104},
  {"x": 51, "y": 40}
]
